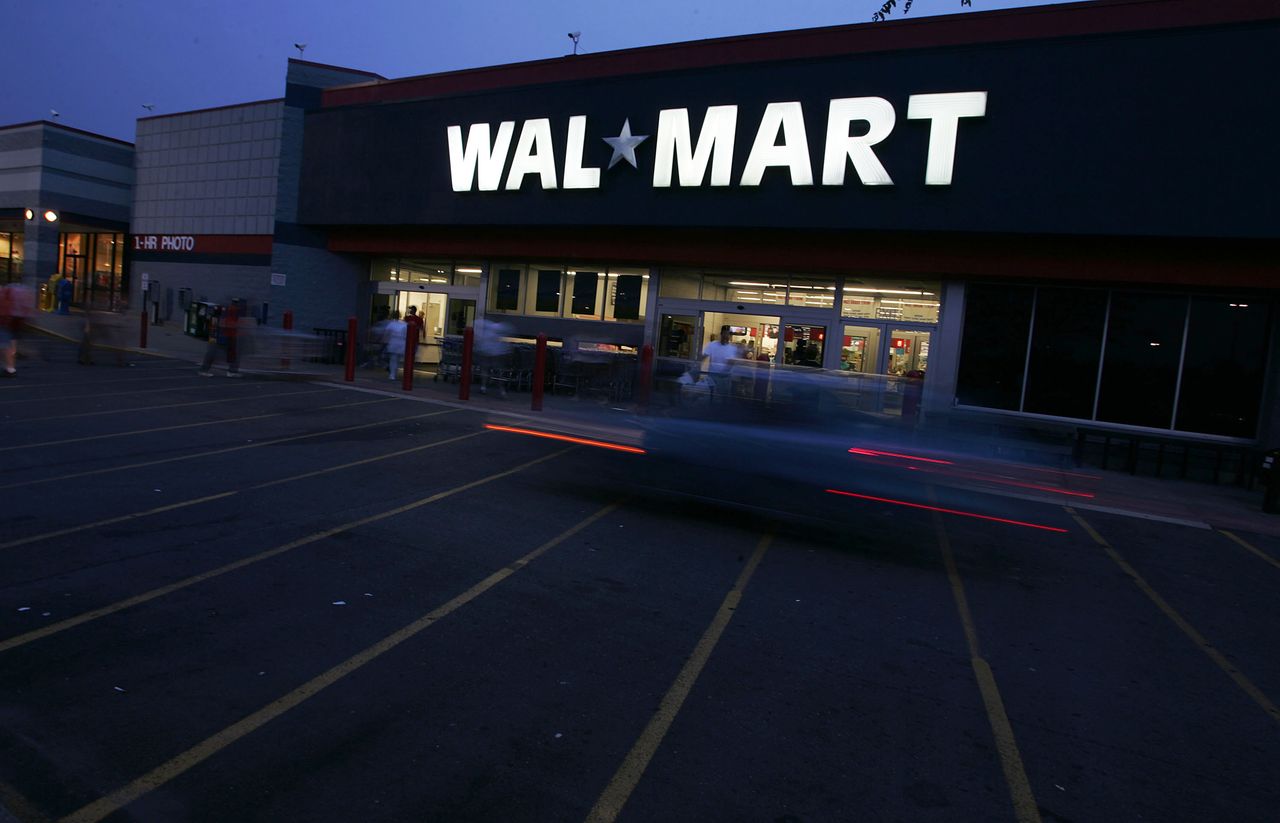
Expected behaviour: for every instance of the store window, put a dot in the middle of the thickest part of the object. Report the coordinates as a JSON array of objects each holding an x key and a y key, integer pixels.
[
  {"x": 507, "y": 290},
  {"x": 811, "y": 292},
  {"x": 10, "y": 257},
  {"x": 577, "y": 292},
  {"x": 628, "y": 292},
  {"x": 1066, "y": 348},
  {"x": 1157, "y": 360},
  {"x": 546, "y": 285},
  {"x": 1140, "y": 366},
  {"x": 584, "y": 294},
  {"x": 994, "y": 346},
  {"x": 884, "y": 299},
  {"x": 419, "y": 271},
  {"x": 1223, "y": 366}
]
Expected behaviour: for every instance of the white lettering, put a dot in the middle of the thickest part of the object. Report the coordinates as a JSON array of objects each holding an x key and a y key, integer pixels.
[
  {"x": 879, "y": 115},
  {"x": 715, "y": 145},
  {"x": 943, "y": 111},
  {"x": 575, "y": 176},
  {"x": 489, "y": 158},
  {"x": 534, "y": 155},
  {"x": 792, "y": 152},
  {"x": 174, "y": 242}
]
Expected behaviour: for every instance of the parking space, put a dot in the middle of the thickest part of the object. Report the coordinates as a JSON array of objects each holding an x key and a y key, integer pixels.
[{"x": 365, "y": 607}]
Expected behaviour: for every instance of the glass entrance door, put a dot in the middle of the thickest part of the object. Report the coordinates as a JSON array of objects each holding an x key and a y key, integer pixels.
[
  {"x": 908, "y": 352},
  {"x": 860, "y": 349},
  {"x": 804, "y": 345}
]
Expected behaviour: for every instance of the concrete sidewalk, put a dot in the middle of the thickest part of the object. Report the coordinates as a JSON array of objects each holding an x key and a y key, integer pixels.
[{"x": 1197, "y": 505}]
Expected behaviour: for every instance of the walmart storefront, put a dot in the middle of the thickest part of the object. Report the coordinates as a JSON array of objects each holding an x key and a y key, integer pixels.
[{"x": 1062, "y": 213}]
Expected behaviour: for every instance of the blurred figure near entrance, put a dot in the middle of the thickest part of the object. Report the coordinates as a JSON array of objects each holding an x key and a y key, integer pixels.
[
  {"x": 64, "y": 291},
  {"x": 17, "y": 305},
  {"x": 493, "y": 351},
  {"x": 397, "y": 332}
]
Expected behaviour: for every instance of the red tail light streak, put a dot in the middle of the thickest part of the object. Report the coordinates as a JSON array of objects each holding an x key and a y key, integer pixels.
[
  {"x": 952, "y": 470},
  {"x": 947, "y": 511},
  {"x": 912, "y": 457},
  {"x": 581, "y": 441}
]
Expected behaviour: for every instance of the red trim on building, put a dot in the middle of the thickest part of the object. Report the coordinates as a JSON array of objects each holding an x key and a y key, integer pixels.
[
  {"x": 1039, "y": 22},
  {"x": 1170, "y": 262}
]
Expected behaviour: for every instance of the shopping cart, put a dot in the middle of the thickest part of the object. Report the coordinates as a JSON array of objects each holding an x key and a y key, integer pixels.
[{"x": 450, "y": 359}]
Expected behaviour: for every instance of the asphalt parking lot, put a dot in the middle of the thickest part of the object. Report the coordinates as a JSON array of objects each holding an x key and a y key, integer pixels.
[{"x": 267, "y": 600}]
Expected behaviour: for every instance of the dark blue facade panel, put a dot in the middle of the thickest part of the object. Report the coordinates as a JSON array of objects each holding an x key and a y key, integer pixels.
[{"x": 1155, "y": 134}]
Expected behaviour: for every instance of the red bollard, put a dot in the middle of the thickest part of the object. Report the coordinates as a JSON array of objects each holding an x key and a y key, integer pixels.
[
  {"x": 646, "y": 375},
  {"x": 142, "y": 336},
  {"x": 287, "y": 325},
  {"x": 464, "y": 379},
  {"x": 351, "y": 349},
  {"x": 539, "y": 371},
  {"x": 410, "y": 352}
]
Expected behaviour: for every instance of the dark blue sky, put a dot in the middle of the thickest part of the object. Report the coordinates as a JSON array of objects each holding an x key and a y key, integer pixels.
[{"x": 97, "y": 61}]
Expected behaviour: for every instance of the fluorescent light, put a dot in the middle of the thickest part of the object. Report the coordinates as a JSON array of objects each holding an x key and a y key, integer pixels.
[
  {"x": 915, "y": 292},
  {"x": 468, "y": 271},
  {"x": 747, "y": 283}
]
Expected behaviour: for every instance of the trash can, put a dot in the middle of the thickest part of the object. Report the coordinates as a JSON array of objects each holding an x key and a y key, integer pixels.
[
  {"x": 1269, "y": 474},
  {"x": 199, "y": 314}
]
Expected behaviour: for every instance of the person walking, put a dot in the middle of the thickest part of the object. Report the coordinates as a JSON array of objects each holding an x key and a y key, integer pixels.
[
  {"x": 397, "y": 331},
  {"x": 64, "y": 291},
  {"x": 720, "y": 355},
  {"x": 8, "y": 339},
  {"x": 222, "y": 332}
]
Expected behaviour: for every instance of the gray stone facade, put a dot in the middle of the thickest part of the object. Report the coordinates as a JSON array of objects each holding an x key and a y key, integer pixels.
[{"x": 86, "y": 179}]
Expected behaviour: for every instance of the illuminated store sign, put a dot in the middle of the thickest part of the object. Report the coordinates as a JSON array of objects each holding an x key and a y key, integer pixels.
[
  {"x": 164, "y": 242},
  {"x": 681, "y": 160}
]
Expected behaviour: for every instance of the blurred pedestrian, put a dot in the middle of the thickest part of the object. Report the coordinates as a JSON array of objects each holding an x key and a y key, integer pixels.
[
  {"x": 103, "y": 329},
  {"x": 8, "y": 339},
  {"x": 223, "y": 329},
  {"x": 397, "y": 330},
  {"x": 64, "y": 291},
  {"x": 493, "y": 351},
  {"x": 720, "y": 355}
]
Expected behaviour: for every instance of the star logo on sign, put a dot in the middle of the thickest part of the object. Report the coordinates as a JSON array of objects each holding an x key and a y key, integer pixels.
[{"x": 624, "y": 145}]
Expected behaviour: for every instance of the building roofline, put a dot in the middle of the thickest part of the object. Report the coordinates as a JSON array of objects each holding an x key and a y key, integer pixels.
[
  {"x": 73, "y": 129},
  {"x": 974, "y": 28},
  {"x": 211, "y": 108},
  {"x": 372, "y": 74}
]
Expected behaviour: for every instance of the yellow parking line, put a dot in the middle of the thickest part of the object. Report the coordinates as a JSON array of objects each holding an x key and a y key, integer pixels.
[
  {"x": 198, "y": 455},
  {"x": 177, "y": 427},
  {"x": 210, "y": 746},
  {"x": 624, "y": 781},
  {"x": 1213, "y": 654},
  {"x": 137, "y": 600},
  {"x": 35, "y": 538},
  {"x": 1015, "y": 774},
  {"x": 224, "y": 399},
  {"x": 1246, "y": 545}
]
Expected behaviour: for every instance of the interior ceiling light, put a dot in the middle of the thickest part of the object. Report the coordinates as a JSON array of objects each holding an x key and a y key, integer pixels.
[
  {"x": 916, "y": 292},
  {"x": 748, "y": 283},
  {"x": 467, "y": 271}
]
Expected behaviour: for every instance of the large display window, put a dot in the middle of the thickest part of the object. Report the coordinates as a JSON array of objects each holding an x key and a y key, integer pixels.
[
  {"x": 578, "y": 292},
  {"x": 1161, "y": 360},
  {"x": 416, "y": 271}
]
